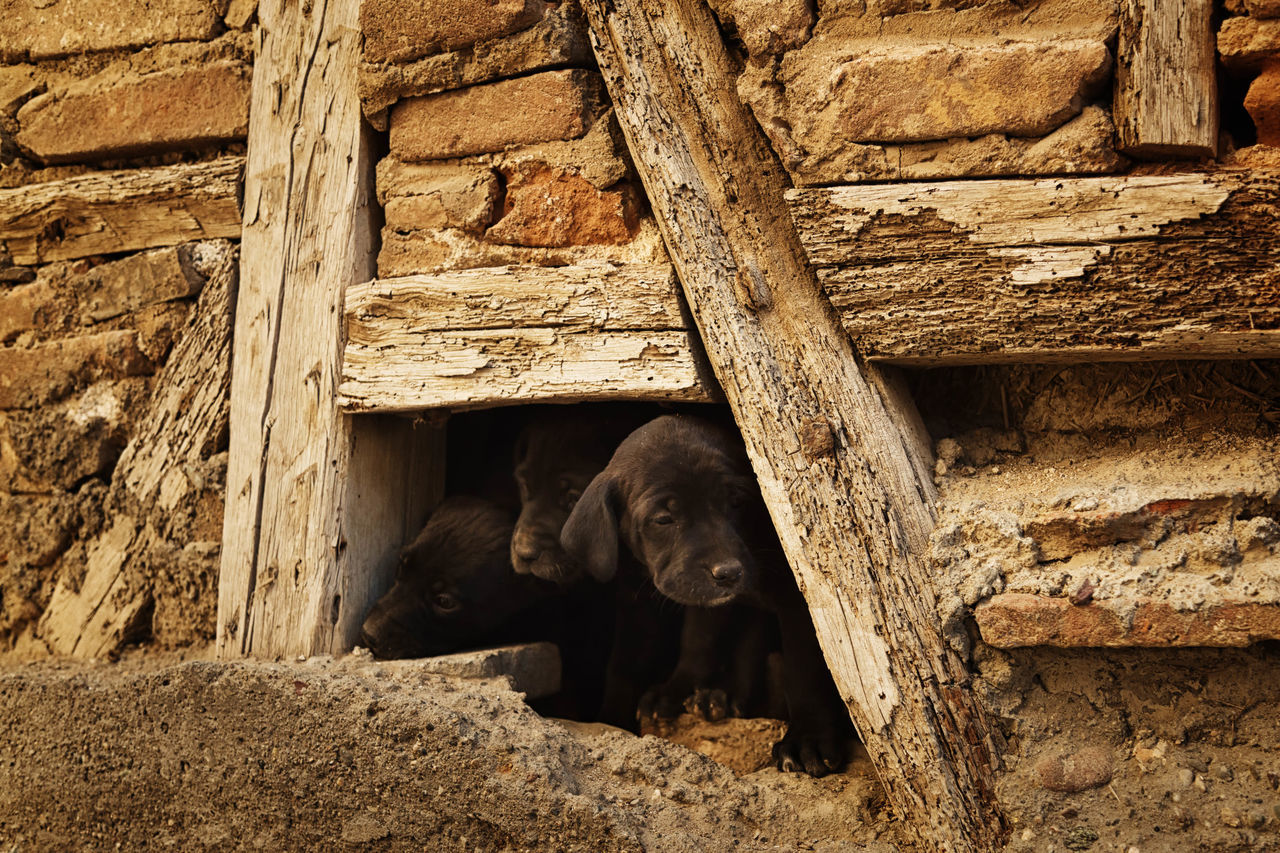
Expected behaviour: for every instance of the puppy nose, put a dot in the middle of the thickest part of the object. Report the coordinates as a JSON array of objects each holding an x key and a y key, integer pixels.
[
  {"x": 526, "y": 549},
  {"x": 727, "y": 573}
]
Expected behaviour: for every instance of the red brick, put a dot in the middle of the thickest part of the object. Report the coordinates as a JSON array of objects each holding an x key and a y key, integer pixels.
[
  {"x": 31, "y": 376},
  {"x": 1011, "y": 620},
  {"x": 401, "y": 30},
  {"x": 544, "y": 107},
  {"x": 1263, "y": 103},
  {"x": 38, "y": 29},
  {"x": 125, "y": 115},
  {"x": 549, "y": 208}
]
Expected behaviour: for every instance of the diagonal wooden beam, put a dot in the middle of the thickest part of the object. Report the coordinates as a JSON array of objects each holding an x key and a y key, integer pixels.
[{"x": 835, "y": 453}]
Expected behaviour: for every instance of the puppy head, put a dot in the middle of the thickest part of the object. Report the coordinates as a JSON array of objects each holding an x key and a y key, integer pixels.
[
  {"x": 557, "y": 455},
  {"x": 676, "y": 492},
  {"x": 454, "y": 586}
]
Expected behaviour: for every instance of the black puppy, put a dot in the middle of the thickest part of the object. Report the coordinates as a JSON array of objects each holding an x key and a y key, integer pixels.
[
  {"x": 679, "y": 493},
  {"x": 558, "y": 453},
  {"x": 454, "y": 587}
]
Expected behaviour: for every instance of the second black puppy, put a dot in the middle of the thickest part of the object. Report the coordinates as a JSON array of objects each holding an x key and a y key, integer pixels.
[{"x": 679, "y": 494}]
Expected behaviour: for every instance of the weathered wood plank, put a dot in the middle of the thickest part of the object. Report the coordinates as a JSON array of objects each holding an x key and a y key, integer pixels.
[
  {"x": 1083, "y": 269},
  {"x": 836, "y": 456},
  {"x": 1166, "y": 91},
  {"x": 494, "y": 336},
  {"x": 187, "y": 413},
  {"x": 317, "y": 503},
  {"x": 121, "y": 211}
]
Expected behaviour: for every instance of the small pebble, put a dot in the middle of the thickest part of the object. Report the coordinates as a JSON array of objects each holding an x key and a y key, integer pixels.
[
  {"x": 1224, "y": 772},
  {"x": 1201, "y": 785},
  {"x": 1186, "y": 777}
]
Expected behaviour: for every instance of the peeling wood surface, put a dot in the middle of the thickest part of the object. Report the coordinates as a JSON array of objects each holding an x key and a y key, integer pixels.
[
  {"x": 318, "y": 503},
  {"x": 494, "y": 336},
  {"x": 185, "y": 419},
  {"x": 1083, "y": 269},
  {"x": 854, "y": 514},
  {"x": 1166, "y": 92},
  {"x": 124, "y": 211}
]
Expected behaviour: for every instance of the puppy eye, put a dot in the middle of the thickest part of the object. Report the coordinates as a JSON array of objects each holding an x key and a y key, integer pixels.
[
  {"x": 571, "y": 498},
  {"x": 445, "y": 603},
  {"x": 663, "y": 518}
]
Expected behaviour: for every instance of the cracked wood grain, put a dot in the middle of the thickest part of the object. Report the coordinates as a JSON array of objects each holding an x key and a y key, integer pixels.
[
  {"x": 497, "y": 335},
  {"x": 1059, "y": 270},
  {"x": 318, "y": 503},
  {"x": 854, "y": 519},
  {"x": 121, "y": 211}
]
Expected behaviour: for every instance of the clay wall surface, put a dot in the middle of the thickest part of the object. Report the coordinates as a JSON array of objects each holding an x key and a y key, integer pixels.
[{"x": 121, "y": 134}]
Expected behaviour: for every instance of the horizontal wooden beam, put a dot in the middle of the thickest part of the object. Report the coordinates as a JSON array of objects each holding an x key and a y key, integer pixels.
[
  {"x": 500, "y": 335},
  {"x": 1056, "y": 270},
  {"x": 122, "y": 211}
]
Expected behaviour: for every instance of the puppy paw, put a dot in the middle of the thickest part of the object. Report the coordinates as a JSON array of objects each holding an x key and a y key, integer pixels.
[
  {"x": 710, "y": 703},
  {"x": 816, "y": 752},
  {"x": 658, "y": 703}
]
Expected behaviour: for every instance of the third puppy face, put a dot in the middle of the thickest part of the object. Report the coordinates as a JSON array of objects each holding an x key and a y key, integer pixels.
[{"x": 678, "y": 493}]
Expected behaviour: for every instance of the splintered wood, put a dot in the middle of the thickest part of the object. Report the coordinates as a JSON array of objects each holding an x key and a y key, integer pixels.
[
  {"x": 1070, "y": 269},
  {"x": 318, "y": 503},
  {"x": 111, "y": 212},
  {"x": 498, "y": 335},
  {"x": 1166, "y": 102}
]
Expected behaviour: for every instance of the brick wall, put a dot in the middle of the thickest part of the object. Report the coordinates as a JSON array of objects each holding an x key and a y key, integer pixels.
[{"x": 113, "y": 114}]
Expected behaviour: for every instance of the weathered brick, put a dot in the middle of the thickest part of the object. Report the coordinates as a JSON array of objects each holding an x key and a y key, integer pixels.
[
  {"x": 1263, "y": 103},
  {"x": 429, "y": 195},
  {"x": 30, "y": 376},
  {"x": 400, "y": 30},
  {"x": 118, "y": 287},
  {"x": 1060, "y": 535},
  {"x": 837, "y": 92},
  {"x": 125, "y": 114},
  {"x": 768, "y": 27},
  {"x": 1254, "y": 8},
  {"x": 1011, "y": 620},
  {"x": 30, "y": 306},
  {"x": 17, "y": 84},
  {"x": 37, "y": 29},
  {"x": 1246, "y": 43},
  {"x": 547, "y": 106},
  {"x": 544, "y": 207}
]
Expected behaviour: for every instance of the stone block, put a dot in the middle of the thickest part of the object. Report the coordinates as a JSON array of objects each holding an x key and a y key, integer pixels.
[
  {"x": 47, "y": 450},
  {"x": 26, "y": 307},
  {"x": 123, "y": 114},
  {"x": 147, "y": 278},
  {"x": 768, "y": 27},
  {"x": 36, "y": 29},
  {"x": 531, "y": 668},
  {"x": 544, "y": 207},
  {"x": 557, "y": 40},
  {"x": 1263, "y": 103},
  {"x": 31, "y": 376},
  {"x": 838, "y": 92},
  {"x": 544, "y": 107},
  {"x": 1246, "y": 43},
  {"x": 429, "y": 195},
  {"x": 1012, "y": 620},
  {"x": 398, "y": 30},
  {"x": 17, "y": 84}
]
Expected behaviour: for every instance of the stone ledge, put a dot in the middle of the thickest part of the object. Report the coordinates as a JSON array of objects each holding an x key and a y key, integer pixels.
[{"x": 531, "y": 668}]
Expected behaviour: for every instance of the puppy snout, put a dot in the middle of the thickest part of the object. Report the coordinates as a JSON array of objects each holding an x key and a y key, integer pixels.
[
  {"x": 728, "y": 573},
  {"x": 526, "y": 548}
]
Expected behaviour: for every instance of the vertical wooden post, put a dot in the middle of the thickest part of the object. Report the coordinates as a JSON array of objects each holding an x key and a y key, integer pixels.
[
  {"x": 1166, "y": 97},
  {"x": 317, "y": 502},
  {"x": 833, "y": 445}
]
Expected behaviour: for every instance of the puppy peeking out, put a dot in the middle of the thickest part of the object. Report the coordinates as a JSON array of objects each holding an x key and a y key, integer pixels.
[{"x": 679, "y": 494}]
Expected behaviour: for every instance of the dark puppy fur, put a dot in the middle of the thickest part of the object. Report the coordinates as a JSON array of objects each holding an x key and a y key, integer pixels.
[
  {"x": 558, "y": 453},
  {"x": 454, "y": 587},
  {"x": 455, "y": 590},
  {"x": 680, "y": 495}
]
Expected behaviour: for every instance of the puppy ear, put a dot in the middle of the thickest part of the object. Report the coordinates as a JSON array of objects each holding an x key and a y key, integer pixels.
[{"x": 590, "y": 535}]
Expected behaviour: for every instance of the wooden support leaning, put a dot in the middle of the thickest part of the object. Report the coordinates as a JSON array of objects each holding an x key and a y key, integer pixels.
[
  {"x": 318, "y": 503},
  {"x": 1166, "y": 93},
  {"x": 853, "y": 509},
  {"x": 493, "y": 336},
  {"x": 124, "y": 211},
  {"x": 1055, "y": 270}
]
